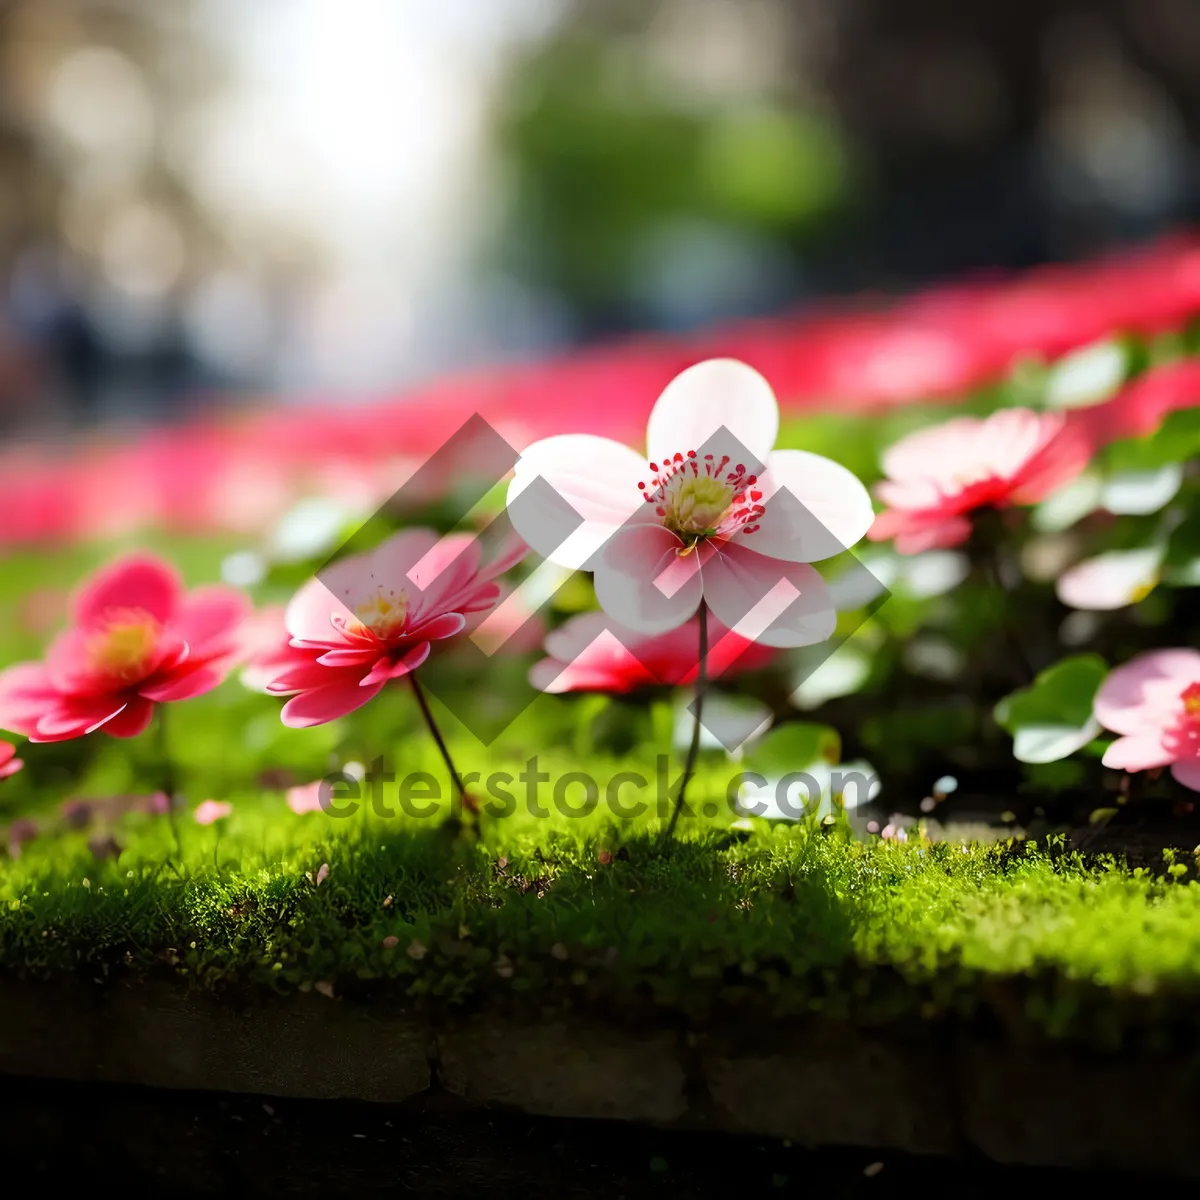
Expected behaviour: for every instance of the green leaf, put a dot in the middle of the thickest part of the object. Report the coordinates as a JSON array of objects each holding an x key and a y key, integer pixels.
[
  {"x": 794, "y": 746},
  {"x": 1053, "y": 717}
]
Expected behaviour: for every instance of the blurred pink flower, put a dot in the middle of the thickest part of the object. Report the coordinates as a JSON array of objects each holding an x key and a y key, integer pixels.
[
  {"x": 1153, "y": 701},
  {"x": 138, "y": 639},
  {"x": 211, "y": 811},
  {"x": 371, "y": 618},
  {"x": 9, "y": 763},
  {"x": 305, "y": 799},
  {"x": 938, "y": 477},
  {"x": 696, "y": 522},
  {"x": 588, "y": 655}
]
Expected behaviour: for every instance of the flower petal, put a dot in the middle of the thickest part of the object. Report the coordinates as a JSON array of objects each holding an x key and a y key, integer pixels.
[
  {"x": 385, "y": 669},
  {"x": 1140, "y": 752},
  {"x": 588, "y": 477},
  {"x": 1187, "y": 772},
  {"x": 137, "y": 581},
  {"x": 75, "y": 716},
  {"x": 721, "y": 393},
  {"x": 25, "y": 694},
  {"x": 183, "y": 684},
  {"x": 643, "y": 583},
  {"x": 815, "y": 508},
  {"x": 324, "y": 704},
  {"x": 1142, "y": 696},
  {"x": 766, "y": 600},
  {"x": 132, "y": 720},
  {"x": 209, "y": 619},
  {"x": 1109, "y": 581}
]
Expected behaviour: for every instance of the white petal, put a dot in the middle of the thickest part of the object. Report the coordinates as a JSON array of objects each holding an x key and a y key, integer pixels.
[
  {"x": 769, "y": 601},
  {"x": 1109, "y": 581},
  {"x": 815, "y": 508},
  {"x": 1136, "y": 493},
  {"x": 721, "y": 393},
  {"x": 591, "y": 477},
  {"x": 1086, "y": 376},
  {"x": 642, "y": 582}
]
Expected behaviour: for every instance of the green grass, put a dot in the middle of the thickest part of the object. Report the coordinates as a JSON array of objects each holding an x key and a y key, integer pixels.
[{"x": 757, "y": 924}]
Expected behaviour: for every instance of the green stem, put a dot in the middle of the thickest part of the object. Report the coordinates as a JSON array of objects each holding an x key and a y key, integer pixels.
[
  {"x": 166, "y": 769},
  {"x": 689, "y": 766},
  {"x": 465, "y": 805}
]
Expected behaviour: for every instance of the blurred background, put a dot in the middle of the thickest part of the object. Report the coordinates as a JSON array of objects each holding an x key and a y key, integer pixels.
[{"x": 214, "y": 201}]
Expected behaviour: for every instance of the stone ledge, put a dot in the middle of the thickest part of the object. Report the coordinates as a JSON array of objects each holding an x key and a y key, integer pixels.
[{"x": 818, "y": 1084}]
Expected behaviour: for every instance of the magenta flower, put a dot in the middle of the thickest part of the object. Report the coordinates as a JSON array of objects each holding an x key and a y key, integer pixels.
[
  {"x": 211, "y": 811},
  {"x": 586, "y": 655},
  {"x": 715, "y": 515},
  {"x": 1153, "y": 701},
  {"x": 372, "y": 618},
  {"x": 137, "y": 640},
  {"x": 938, "y": 477},
  {"x": 9, "y": 763}
]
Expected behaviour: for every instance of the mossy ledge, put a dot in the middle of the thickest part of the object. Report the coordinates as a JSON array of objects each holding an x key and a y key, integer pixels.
[{"x": 925, "y": 1088}]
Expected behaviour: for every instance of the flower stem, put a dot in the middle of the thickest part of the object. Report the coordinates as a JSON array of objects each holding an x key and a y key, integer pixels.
[
  {"x": 992, "y": 572},
  {"x": 166, "y": 770},
  {"x": 466, "y": 804},
  {"x": 689, "y": 766}
]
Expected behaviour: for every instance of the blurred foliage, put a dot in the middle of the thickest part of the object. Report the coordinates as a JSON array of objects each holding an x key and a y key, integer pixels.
[{"x": 604, "y": 158}]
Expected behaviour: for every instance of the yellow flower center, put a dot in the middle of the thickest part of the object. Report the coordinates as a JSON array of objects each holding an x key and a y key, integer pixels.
[
  {"x": 696, "y": 505},
  {"x": 124, "y": 647},
  {"x": 697, "y": 497},
  {"x": 385, "y": 613}
]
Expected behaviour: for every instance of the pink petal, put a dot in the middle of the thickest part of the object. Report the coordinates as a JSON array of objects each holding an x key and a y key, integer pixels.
[
  {"x": 1139, "y": 753},
  {"x": 309, "y": 612},
  {"x": 937, "y": 535},
  {"x": 513, "y": 551},
  {"x": 210, "y": 619},
  {"x": 593, "y": 477},
  {"x": 924, "y": 454},
  {"x": 439, "y": 628},
  {"x": 346, "y": 658},
  {"x": 1187, "y": 772},
  {"x": 815, "y": 508},
  {"x": 211, "y": 811},
  {"x": 1143, "y": 695},
  {"x": 720, "y": 394},
  {"x": 137, "y": 581},
  {"x": 767, "y": 600},
  {"x": 183, "y": 684},
  {"x": 11, "y": 767},
  {"x": 132, "y": 720},
  {"x": 443, "y": 570},
  {"x": 643, "y": 583},
  {"x": 25, "y": 695},
  {"x": 75, "y": 716},
  {"x": 385, "y": 669},
  {"x": 323, "y": 704}
]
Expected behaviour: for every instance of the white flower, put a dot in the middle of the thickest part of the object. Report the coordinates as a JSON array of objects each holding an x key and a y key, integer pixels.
[{"x": 715, "y": 514}]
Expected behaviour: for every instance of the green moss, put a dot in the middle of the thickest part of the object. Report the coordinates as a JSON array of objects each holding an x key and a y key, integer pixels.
[{"x": 772, "y": 922}]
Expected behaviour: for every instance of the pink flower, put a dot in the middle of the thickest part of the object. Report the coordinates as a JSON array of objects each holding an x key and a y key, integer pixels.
[
  {"x": 9, "y": 763},
  {"x": 371, "y": 618},
  {"x": 306, "y": 798},
  {"x": 589, "y": 654},
  {"x": 137, "y": 639},
  {"x": 212, "y": 811},
  {"x": 937, "y": 477},
  {"x": 716, "y": 514},
  {"x": 1154, "y": 702}
]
